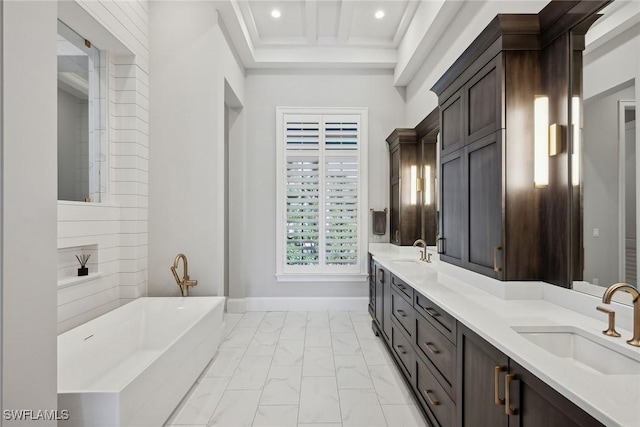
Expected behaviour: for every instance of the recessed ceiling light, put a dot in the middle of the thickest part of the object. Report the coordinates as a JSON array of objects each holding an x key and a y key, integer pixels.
[
  {"x": 276, "y": 13},
  {"x": 379, "y": 14}
]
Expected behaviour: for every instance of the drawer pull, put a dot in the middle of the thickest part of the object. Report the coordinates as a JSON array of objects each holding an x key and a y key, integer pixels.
[
  {"x": 495, "y": 259},
  {"x": 496, "y": 384},
  {"x": 431, "y": 312},
  {"x": 401, "y": 286},
  {"x": 432, "y": 348},
  {"x": 401, "y": 313},
  {"x": 507, "y": 395},
  {"x": 431, "y": 400},
  {"x": 399, "y": 347}
]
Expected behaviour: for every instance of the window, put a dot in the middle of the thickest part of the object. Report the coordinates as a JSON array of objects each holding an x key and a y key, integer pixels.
[
  {"x": 321, "y": 229},
  {"x": 81, "y": 118}
]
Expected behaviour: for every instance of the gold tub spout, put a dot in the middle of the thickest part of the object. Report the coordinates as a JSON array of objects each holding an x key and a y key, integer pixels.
[{"x": 185, "y": 283}]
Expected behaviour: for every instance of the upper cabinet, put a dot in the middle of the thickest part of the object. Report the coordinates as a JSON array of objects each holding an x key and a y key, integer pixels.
[
  {"x": 413, "y": 157},
  {"x": 489, "y": 219},
  {"x": 405, "y": 213}
]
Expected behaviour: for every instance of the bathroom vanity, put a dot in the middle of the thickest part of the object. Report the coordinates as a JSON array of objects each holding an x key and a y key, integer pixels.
[{"x": 474, "y": 358}]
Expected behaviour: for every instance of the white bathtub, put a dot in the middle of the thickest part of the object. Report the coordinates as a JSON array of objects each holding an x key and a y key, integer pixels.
[{"x": 133, "y": 365}]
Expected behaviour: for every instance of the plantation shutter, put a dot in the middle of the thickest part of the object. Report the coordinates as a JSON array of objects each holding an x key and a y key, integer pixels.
[{"x": 321, "y": 192}]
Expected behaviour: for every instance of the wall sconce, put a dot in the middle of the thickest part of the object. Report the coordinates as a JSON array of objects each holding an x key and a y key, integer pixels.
[
  {"x": 575, "y": 156},
  {"x": 427, "y": 185},
  {"x": 541, "y": 142},
  {"x": 414, "y": 185}
]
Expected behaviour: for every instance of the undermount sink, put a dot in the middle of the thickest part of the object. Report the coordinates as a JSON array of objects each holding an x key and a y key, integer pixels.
[{"x": 587, "y": 351}]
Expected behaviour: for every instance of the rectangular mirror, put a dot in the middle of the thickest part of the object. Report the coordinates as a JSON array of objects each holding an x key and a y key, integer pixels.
[
  {"x": 80, "y": 118},
  {"x": 603, "y": 148}
]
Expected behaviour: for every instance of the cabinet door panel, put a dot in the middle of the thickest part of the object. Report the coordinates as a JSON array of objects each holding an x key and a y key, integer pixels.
[
  {"x": 452, "y": 124},
  {"x": 452, "y": 208},
  {"x": 386, "y": 307},
  {"x": 477, "y": 361},
  {"x": 379, "y": 298},
  {"x": 484, "y": 163},
  {"x": 394, "y": 217},
  {"x": 538, "y": 405},
  {"x": 484, "y": 101}
]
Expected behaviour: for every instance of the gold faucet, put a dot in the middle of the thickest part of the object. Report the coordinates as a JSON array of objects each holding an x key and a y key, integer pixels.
[
  {"x": 185, "y": 283},
  {"x": 423, "y": 252},
  {"x": 606, "y": 298}
]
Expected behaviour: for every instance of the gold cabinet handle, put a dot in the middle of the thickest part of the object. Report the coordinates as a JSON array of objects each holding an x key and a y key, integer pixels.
[
  {"x": 496, "y": 384},
  {"x": 401, "y": 313},
  {"x": 507, "y": 395},
  {"x": 611, "y": 329},
  {"x": 399, "y": 347},
  {"x": 397, "y": 232},
  {"x": 401, "y": 286},
  {"x": 440, "y": 245},
  {"x": 432, "y": 348},
  {"x": 431, "y": 400},
  {"x": 380, "y": 276},
  {"x": 495, "y": 259}
]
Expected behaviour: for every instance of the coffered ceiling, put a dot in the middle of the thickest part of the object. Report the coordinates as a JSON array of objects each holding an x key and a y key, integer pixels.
[{"x": 318, "y": 33}]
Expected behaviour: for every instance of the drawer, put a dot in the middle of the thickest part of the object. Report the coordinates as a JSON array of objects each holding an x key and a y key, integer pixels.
[
  {"x": 433, "y": 396},
  {"x": 439, "y": 351},
  {"x": 404, "y": 352},
  {"x": 402, "y": 288},
  {"x": 439, "y": 318},
  {"x": 403, "y": 313}
]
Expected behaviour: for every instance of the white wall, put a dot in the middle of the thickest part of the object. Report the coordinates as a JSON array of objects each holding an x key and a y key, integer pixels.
[
  {"x": 29, "y": 208},
  {"x": 118, "y": 225},
  {"x": 254, "y": 270},
  {"x": 191, "y": 61}
]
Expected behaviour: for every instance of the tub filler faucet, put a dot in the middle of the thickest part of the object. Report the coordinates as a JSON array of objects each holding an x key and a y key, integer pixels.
[{"x": 185, "y": 283}]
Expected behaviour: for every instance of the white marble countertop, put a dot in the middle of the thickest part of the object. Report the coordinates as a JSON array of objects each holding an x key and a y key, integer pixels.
[{"x": 491, "y": 308}]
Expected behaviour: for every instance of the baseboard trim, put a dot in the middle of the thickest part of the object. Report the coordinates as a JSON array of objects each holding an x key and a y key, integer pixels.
[
  {"x": 242, "y": 305},
  {"x": 236, "y": 305}
]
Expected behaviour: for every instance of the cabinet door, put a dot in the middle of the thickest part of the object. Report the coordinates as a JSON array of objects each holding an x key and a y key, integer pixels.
[
  {"x": 452, "y": 123},
  {"x": 452, "y": 208},
  {"x": 535, "y": 404},
  {"x": 484, "y": 97},
  {"x": 484, "y": 180},
  {"x": 394, "y": 216},
  {"x": 482, "y": 369},
  {"x": 386, "y": 307},
  {"x": 379, "y": 286}
]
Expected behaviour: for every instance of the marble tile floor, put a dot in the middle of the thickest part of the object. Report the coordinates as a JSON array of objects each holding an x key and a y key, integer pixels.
[{"x": 299, "y": 369}]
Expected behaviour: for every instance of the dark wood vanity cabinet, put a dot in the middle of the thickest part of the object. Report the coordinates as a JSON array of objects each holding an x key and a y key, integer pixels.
[
  {"x": 494, "y": 391},
  {"x": 404, "y": 218},
  {"x": 490, "y": 211}
]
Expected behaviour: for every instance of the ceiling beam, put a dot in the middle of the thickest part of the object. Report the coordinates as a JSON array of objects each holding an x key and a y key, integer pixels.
[
  {"x": 311, "y": 15},
  {"x": 346, "y": 17}
]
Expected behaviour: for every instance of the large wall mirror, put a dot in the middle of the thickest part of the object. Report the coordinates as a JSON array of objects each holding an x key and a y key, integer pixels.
[{"x": 604, "y": 158}]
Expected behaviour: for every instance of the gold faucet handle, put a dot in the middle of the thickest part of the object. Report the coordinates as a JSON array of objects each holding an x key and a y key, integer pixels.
[{"x": 611, "y": 329}]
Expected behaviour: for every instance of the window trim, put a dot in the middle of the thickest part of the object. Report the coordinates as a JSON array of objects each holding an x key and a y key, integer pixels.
[{"x": 363, "y": 217}]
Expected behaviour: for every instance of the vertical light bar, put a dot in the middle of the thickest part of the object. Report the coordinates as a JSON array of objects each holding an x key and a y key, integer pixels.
[
  {"x": 575, "y": 157},
  {"x": 414, "y": 184},
  {"x": 541, "y": 142},
  {"x": 427, "y": 185}
]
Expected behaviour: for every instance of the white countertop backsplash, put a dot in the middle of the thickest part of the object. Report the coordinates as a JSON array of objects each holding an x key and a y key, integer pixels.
[{"x": 490, "y": 308}]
